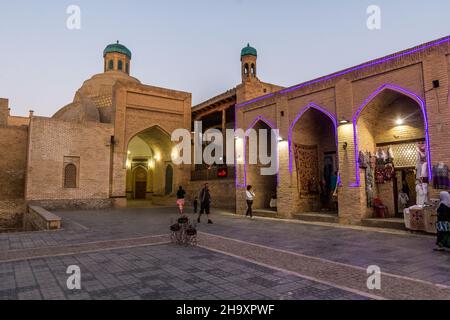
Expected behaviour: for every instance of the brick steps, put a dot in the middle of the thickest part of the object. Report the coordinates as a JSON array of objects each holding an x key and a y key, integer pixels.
[
  {"x": 317, "y": 217},
  {"x": 392, "y": 223},
  {"x": 265, "y": 213}
]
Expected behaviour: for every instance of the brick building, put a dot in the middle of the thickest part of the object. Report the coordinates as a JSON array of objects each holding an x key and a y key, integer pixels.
[
  {"x": 395, "y": 105},
  {"x": 112, "y": 143}
]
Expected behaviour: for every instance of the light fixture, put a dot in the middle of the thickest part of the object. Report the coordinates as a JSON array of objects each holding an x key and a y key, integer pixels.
[
  {"x": 345, "y": 145},
  {"x": 343, "y": 121},
  {"x": 280, "y": 139},
  {"x": 158, "y": 156},
  {"x": 129, "y": 152},
  {"x": 399, "y": 122}
]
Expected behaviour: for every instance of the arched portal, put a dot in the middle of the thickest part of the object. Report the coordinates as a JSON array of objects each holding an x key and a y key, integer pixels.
[
  {"x": 149, "y": 151},
  {"x": 390, "y": 129},
  {"x": 314, "y": 160},
  {"x": 264, "y": 186}
]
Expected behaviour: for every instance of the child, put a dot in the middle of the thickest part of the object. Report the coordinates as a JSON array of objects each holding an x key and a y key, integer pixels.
[{"x": 195, "y": 204}]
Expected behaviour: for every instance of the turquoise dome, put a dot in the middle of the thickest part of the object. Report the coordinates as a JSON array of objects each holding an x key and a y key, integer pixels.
[
  {"x": 249, "y": 51},
  {"x": 117, "y": 47}
]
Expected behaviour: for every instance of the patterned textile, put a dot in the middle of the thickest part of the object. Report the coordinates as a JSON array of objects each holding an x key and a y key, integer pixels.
[
  {"x": 417, "y": 220},
  {"x": 307, "y": 165},
  {"x": 362, "y": 160},
  {"x": 443, "y": 226},
  {"x": 389, "y": 172},
  {"x": 440, "y": 177}
]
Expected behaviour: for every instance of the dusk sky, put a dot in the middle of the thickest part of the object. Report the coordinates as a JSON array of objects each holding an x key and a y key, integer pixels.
[{"x": 195, "y": 45}]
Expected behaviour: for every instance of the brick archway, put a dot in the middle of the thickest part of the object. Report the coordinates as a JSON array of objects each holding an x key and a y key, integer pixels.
[
  {"x": 297, "y": 118},
  {"x": 402, "y": 91}
]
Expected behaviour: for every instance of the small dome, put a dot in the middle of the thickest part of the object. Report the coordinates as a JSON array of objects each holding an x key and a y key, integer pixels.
[
  {"x": 249, "y": 51},
  {"x": 117, "y": 47}
]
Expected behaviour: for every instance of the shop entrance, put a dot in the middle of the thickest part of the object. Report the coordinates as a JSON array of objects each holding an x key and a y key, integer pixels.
[
  {"x": 314, "y": 161},
  {"x": 392, "y": 152},
  {"x": 264, "y": 186}
]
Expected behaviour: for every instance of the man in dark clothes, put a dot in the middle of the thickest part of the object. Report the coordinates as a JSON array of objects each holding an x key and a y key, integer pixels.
[{"x": 205, "y": 202}]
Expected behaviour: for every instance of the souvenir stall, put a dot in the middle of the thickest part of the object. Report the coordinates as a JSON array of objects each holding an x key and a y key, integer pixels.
[
  {"x": 399, "y": 173},
  {"x": 423, "y": 216}
]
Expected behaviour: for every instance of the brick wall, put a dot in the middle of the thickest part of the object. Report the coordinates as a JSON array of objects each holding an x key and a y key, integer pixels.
[
  {"x": 13, "y": 143},
  {"x": 223, "y": 193},
  {"x": 51, "y": 141},
  {"x": 11, "y": 214}
]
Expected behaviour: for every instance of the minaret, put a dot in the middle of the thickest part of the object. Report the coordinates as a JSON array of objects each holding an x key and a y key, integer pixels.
[
  {"x": 248, "y": 63},
  {"x": 117, "y": 58}
]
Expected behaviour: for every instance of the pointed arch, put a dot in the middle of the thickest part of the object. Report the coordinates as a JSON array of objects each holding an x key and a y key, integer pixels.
[
  {"x": 299, "y": 115},
  {"x": 272, "y": 126},
  {"x": 366, "y": 102}
]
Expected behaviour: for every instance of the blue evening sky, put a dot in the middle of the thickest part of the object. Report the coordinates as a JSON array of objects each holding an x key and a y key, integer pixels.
[{"x": 194, "y": 45}]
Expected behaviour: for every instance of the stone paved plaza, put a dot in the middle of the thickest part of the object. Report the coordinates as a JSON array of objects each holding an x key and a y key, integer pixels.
[{"x": 126, "y": 254}]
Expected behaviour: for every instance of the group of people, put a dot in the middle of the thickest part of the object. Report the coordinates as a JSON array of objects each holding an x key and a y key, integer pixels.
[
  {"x": 205, "y": 202},
  {"x": 443, "y": 224}
]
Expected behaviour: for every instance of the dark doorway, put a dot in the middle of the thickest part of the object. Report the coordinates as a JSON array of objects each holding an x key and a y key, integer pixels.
[
  {"x": 140, "y": 191},
  {"x": 169, "y": 179}
]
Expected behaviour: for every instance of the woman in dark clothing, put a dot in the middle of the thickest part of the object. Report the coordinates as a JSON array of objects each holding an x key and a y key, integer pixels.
[
  {"x": 180, "y": 199},
  {"x": 443, "y": 224}
]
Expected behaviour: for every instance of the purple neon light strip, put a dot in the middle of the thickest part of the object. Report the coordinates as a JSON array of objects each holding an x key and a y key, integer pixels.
[
  {"x": 344, "y": 72},
  {"x": 408, "y": 93},
  {"x": 291, "y": 128}
]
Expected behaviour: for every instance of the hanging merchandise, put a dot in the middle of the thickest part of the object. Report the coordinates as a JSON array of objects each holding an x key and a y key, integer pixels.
[
  {"x": 403, "y": 200},
  {"x": 369, "y": 180},
  {"x": 362, "y": 160},
  {"x": 422, "y": 193},
  {"x": 440, "y": 176},
  {"x": 389, "y": 170},
  {"x": 380, "y": 164},
  {"x": 422, "y": 164}
]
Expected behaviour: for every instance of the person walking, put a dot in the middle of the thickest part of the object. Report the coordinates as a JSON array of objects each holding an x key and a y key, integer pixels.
[
  {"x": 443, "y": 224},
  {"x": 195, "y": 204},
  {"x": 205, "y": 203},
  {"x": 180, "y": 199},
  {"x": 250, "y": 195}
]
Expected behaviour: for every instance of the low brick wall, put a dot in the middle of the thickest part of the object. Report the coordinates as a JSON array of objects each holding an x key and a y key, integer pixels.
[
  {"x": 39, "y": 219},
  {"x": 223, "y": 193},
  {"x": 82, "y": 204},
  {"x": 11, "y": 214}
]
